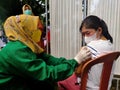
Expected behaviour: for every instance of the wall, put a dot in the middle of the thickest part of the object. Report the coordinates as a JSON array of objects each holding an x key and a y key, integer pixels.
[{"x": 65, "y": 19}]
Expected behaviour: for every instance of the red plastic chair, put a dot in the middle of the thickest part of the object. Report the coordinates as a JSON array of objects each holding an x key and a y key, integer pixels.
[{"x": 108, "y": 60}]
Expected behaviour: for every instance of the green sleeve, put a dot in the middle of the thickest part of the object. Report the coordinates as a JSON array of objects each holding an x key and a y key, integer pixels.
[
  {"x": 23, "y": 62},
  {"x": 51, "y": 60}
]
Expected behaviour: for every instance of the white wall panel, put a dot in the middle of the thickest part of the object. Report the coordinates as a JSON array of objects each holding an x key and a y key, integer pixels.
[{"x": 65, "y": 19}]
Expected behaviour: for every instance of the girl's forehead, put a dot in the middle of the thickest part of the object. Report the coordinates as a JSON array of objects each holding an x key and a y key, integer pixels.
[{"x": 87, "y": 30}]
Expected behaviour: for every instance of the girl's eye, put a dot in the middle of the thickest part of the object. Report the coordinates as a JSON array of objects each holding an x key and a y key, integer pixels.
[{"x": 87, "y": 33}]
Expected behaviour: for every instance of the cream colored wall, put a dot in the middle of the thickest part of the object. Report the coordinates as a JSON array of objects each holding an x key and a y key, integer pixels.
[
  {"x": 65, "y": 19},
  {"x": 108, "y": 10}
]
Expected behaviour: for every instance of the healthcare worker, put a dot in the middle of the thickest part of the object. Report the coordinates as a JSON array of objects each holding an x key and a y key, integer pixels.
[
  {"x": 99, "y": 41},
  {"x": 23, "y": 63},
  {"x": 27, "y": 9}
]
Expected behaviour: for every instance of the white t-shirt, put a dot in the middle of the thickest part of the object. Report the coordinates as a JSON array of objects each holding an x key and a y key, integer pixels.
[{"x": 98, "y": 47}]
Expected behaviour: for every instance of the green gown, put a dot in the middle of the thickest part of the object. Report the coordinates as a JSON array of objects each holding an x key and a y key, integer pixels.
[{"x": 21, "y": 69}]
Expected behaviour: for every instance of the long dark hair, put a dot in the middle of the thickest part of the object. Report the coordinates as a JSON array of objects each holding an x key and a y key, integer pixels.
[{"x": 94, "y": 22}]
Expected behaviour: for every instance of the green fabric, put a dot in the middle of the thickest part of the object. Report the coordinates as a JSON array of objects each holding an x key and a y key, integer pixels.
[{"x": 21, "y": 69}]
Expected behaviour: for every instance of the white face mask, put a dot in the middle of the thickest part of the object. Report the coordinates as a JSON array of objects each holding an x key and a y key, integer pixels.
[{"x": 90, "y": 38}]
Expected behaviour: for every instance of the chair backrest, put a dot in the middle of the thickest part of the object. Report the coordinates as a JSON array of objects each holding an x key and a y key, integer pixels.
[{"x": 107, "y": 61}]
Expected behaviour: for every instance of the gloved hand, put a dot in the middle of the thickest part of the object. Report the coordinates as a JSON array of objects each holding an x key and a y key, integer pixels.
[{"x": 83, "y": 55}]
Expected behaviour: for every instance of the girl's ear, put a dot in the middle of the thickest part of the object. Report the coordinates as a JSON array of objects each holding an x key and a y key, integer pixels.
[{"x": 100, "y": 31}]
